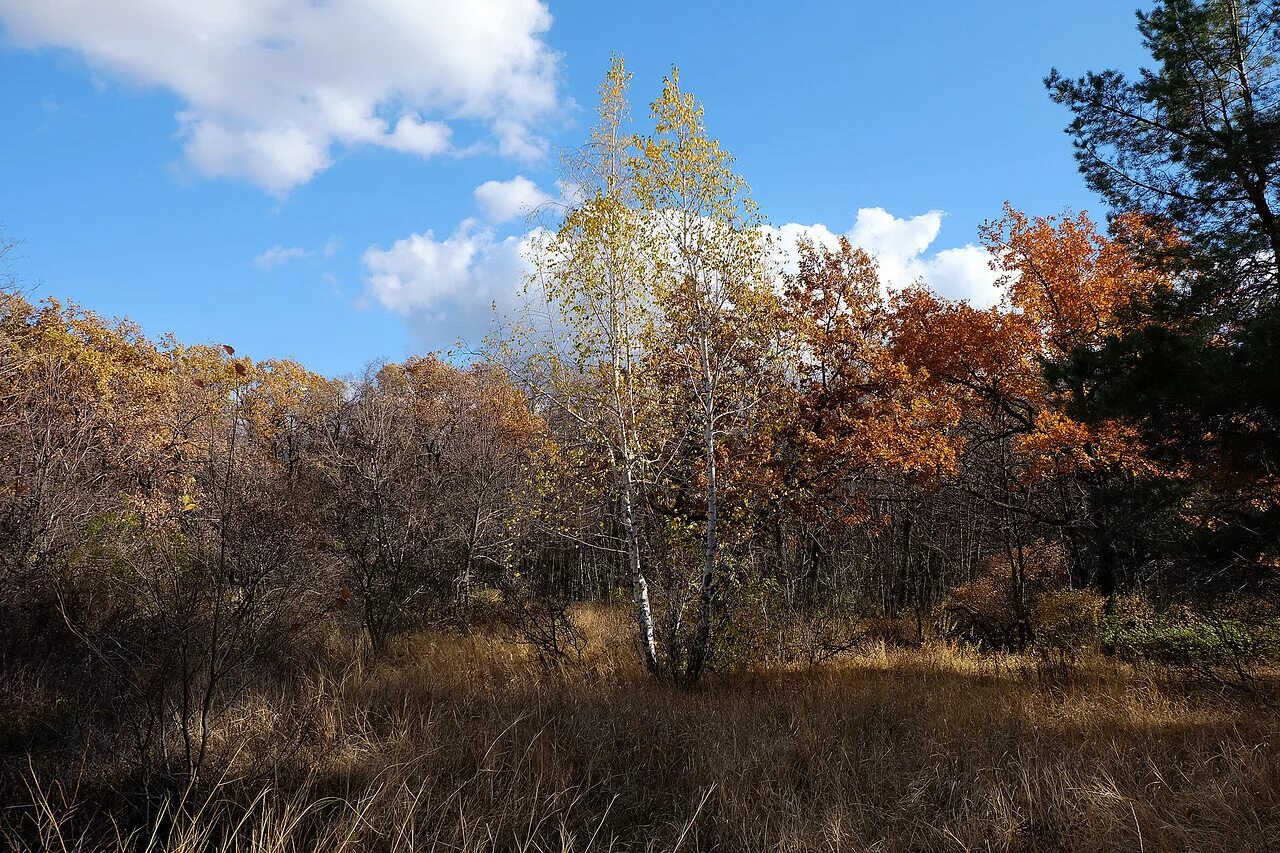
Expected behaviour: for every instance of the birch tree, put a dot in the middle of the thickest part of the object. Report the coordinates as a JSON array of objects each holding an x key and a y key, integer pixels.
[
  {"x": 717, "y": 305},
  {"x": 593, "y": 272}
]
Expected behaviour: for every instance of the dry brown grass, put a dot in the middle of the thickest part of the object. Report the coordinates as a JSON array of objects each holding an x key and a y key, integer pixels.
[{"x": 461, "y": 743}]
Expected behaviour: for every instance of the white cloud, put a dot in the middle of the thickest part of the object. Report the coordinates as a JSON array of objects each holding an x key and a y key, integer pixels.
[
  {"x": 274, "y": 87},
  {"x": 901, "y": 249},
  {"x": 502, "y": 201},
  {"x": 420, "y": 137},
  {"x": 571, "y": 194},
  {"x": 895, "y": 242},
  {"x": 447, "y": 288},
  {"x": 279, "y": 255},
  {"x": 963, "y": 273},
  {"x": 785, "y": 237}
]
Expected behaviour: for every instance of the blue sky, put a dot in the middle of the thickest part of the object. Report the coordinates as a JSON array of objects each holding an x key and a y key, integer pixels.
[{"x": 156, "y": 154}]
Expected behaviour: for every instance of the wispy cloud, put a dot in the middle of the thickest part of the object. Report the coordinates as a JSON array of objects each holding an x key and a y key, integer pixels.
[{"x": 278, "y": 256}]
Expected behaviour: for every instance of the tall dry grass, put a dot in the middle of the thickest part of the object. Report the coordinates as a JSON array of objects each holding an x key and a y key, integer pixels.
[{"x": 462, "y": 744}]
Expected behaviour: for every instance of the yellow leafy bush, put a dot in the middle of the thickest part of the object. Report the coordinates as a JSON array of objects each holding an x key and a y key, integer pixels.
[{"x": 1067, "y": 622}]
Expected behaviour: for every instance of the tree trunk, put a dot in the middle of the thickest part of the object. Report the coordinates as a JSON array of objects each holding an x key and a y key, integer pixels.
[
  {"x": 702, "y": 640},
  {"x": 464, "y": 582},
  {"x": 639, "y": 586}
]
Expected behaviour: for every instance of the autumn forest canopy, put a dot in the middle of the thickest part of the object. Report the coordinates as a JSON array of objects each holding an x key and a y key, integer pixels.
[{"x": 755, "y": 455}]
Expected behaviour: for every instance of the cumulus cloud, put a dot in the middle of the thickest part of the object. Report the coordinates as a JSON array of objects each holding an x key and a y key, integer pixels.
[
  {"x": 901, "y": 249},
  {"x": 502, "y": 201},
  {"x": 963, "y": 273},
  {"x": 273, "y": 88},
  {"x": 278, "y": 256},
  {"x": 447, "y": 288},
  {"x": 786, "y": 237}
]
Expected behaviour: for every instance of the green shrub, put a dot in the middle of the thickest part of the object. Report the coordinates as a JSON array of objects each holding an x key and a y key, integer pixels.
[
  {"x": 1188, "y": 640},
  {"x": 752, "y": 613}
]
